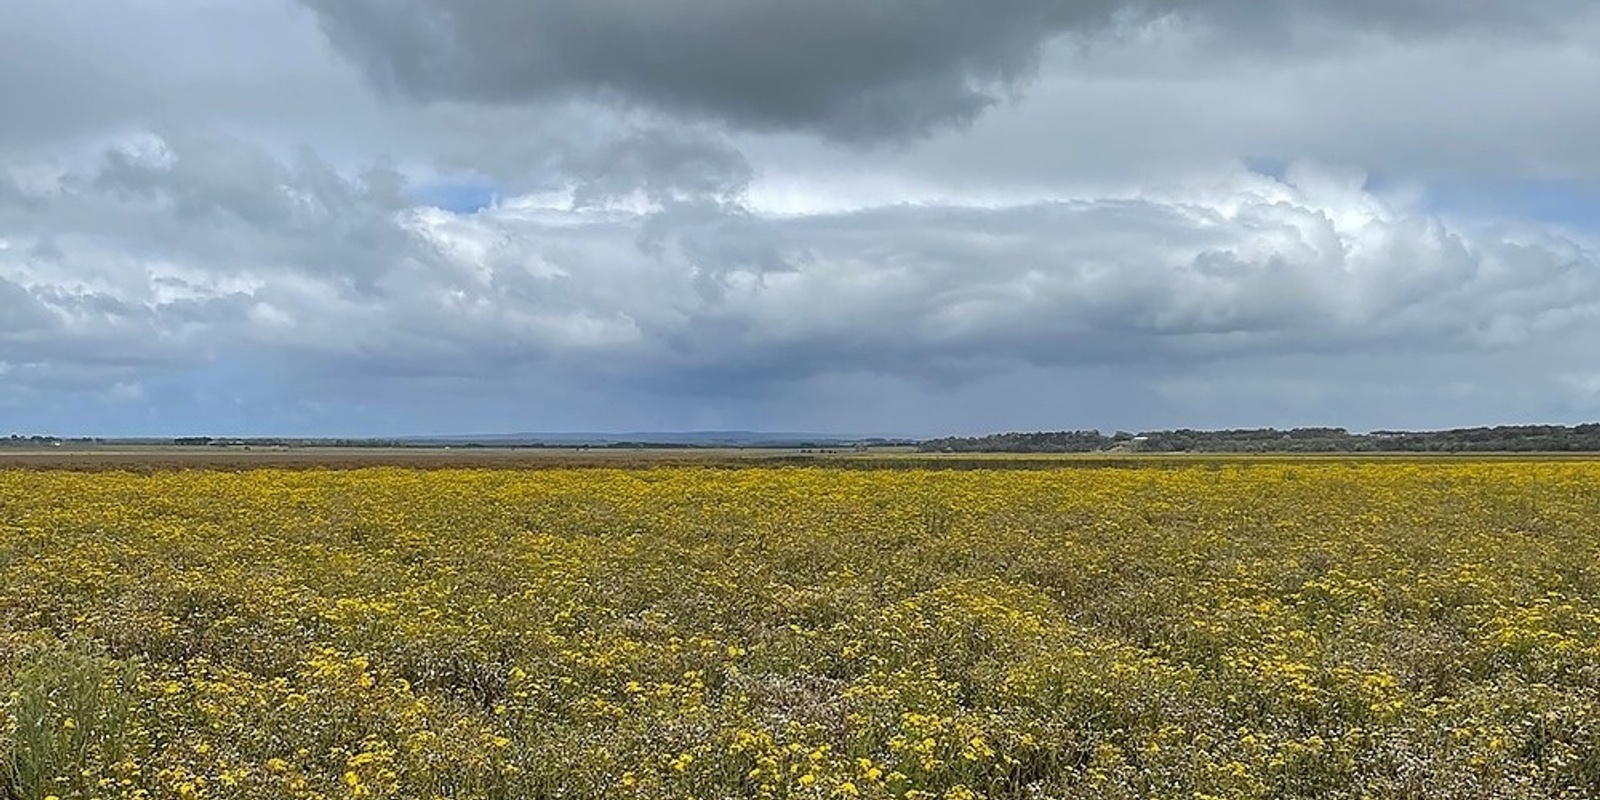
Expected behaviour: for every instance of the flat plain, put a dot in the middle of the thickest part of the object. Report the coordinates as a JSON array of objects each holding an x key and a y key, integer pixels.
[{"x": 716, "y": 625}]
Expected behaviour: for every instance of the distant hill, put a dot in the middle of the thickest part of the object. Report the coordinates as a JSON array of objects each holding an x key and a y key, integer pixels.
[{"x": 659, "y": 439}]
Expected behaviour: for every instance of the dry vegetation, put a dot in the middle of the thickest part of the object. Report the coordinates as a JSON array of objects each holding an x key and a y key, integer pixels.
[{"x": 1253, "y": 629}]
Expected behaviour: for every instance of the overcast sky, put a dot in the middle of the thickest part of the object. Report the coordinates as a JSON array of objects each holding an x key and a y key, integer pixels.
[{"x": 377, "y": 217}]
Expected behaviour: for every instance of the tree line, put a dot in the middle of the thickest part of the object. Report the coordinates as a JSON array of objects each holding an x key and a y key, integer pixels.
[{"x": 1498, "y": 439}]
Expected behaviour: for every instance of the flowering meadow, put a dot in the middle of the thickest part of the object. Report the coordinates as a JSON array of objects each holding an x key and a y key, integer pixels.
[{"x": 1216, "y": 629}]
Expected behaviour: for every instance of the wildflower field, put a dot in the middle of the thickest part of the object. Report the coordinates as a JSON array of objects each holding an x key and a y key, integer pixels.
[{"x": 1217, "y": 629}]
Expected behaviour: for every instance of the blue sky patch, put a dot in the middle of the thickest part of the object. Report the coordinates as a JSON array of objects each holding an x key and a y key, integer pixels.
[
  {"x": 1569, "y": 204},
  {"x": 457, "y": 198}
]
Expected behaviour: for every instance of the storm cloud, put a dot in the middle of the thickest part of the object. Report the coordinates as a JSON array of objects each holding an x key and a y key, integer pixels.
[{"x": 851, "y": 70}]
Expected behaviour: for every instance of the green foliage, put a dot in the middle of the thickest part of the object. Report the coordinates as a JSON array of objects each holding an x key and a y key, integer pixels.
[
  {"x": 1502, "y": 439},
  {"x": 72, "y": 722}
]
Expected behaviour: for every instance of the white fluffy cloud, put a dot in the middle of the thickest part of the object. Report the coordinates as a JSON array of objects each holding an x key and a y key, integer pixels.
[{"x": 171, "y": 252}]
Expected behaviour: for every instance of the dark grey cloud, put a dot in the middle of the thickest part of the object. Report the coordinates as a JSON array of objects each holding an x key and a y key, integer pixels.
[{"x": 851, "y": 70}]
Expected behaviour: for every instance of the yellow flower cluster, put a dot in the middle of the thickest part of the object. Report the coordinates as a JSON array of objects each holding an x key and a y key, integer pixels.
[{"x": 1352, "y": 629}]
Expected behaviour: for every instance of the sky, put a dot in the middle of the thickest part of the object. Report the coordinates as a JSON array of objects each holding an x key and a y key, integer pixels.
[{"x": 874, "y": 217}]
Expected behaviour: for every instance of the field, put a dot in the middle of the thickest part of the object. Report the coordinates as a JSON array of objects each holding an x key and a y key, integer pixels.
[
  {"x": 147, "y": 458},
  {"x": 1178, "y": 628}
]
